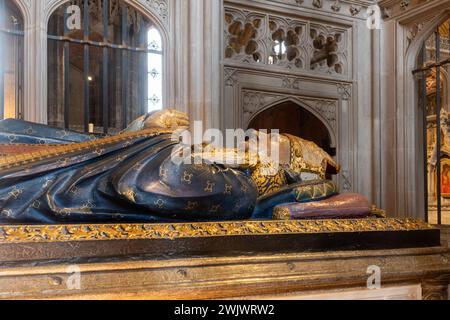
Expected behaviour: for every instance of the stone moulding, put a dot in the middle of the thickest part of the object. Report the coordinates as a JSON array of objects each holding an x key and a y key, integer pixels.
[{"x": 22, "y": 234}]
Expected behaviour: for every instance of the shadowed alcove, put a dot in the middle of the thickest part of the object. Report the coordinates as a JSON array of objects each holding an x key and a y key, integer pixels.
[{"x": 291, "y": 118}]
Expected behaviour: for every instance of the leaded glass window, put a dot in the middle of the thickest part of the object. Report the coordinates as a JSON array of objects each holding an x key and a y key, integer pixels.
[{"x": 155, "y": 70}]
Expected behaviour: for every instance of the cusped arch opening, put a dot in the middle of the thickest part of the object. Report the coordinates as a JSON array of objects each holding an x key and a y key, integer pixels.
[{"x": 290, "y": 117}]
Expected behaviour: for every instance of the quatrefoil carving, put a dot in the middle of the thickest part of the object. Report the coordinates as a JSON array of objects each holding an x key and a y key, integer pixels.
[
  {"x": 286, "y": 43},
  {"x": 242, "y": 38},
  {"x": 325, "y": 51}
]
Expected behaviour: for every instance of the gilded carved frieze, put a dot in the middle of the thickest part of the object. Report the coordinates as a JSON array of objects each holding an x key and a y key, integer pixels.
[
  {"x": 294, "y": 44},
  {"x": 100, "y": 232}
]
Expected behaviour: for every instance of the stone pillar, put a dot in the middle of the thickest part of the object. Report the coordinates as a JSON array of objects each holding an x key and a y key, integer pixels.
[
  {"x": 376, "y": 113},
  {"x": 196, "y": 52},
  {"x": 35, "y": 63},
  {"x": 389, "y": 193},
  {"x": 364, "y": 133}
]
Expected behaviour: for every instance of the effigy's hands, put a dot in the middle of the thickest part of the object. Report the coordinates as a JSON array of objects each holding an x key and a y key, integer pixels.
[
  {"x": 258, "y": 149},
  {"x": 268, "y": 148},
  {"x": 170, "y": 119}
]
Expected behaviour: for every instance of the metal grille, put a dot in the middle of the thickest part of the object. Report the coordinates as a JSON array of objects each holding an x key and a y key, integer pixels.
[{"x": 426, "y": 68}]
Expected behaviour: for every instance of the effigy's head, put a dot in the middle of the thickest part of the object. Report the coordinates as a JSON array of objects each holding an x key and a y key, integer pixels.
[{"x": 167, "y": 119}]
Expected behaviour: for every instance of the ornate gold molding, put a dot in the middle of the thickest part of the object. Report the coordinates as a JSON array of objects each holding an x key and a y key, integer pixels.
[{"x": 106, "y": 232}]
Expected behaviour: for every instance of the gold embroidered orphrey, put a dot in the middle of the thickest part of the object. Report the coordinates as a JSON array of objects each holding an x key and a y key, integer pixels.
[
  {"x": 104, "y": 232},
  {"x": 59, "y": 150}
]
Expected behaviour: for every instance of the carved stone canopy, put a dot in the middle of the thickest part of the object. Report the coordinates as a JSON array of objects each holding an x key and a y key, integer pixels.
[{"x": 296, "y": 44}]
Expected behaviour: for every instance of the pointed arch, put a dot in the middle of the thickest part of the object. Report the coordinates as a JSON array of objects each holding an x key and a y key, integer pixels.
[
  {"x": 301, "y": 104},
  {"x": 24, "y": 8},
  {"x": 414, "y": 120}
]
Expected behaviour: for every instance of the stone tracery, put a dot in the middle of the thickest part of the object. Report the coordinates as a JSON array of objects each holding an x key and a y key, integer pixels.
[
  {"x": 243, "y": 34},
  {"x": 284, "y": 42},
  {"x": 326, "y": 50}
]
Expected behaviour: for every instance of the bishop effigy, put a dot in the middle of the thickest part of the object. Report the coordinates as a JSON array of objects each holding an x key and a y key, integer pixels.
[{"x": 51, "y": 176}]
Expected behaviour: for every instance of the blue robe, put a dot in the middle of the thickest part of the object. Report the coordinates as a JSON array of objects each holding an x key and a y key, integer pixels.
[
  {"x": 128, "y": 181},
  {"x": 132, "y": 180}
]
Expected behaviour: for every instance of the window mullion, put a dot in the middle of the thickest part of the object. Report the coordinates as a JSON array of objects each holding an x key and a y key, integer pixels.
[
  {"x": 66, "y": 62},
  {"x": 86, "y": 66},
  {"x": 142, "y": 71}
]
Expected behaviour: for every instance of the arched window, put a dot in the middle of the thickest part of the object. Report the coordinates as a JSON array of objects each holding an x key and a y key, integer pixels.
[
  {"x": 105, "y": 66},
  {"x": 11, "y": 60},
  {"x": 432, "y": 72}
]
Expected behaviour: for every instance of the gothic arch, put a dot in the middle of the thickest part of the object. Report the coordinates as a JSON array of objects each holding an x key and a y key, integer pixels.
[
  {"x": 410, "y": 122},
  {"x": 411, "y": 61},
  {"x": 413, "y": 51},
  {"x": 24, "y": 7},
  {"x": 151, "y": 13},
  {"x": 301, "y": 104}
]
